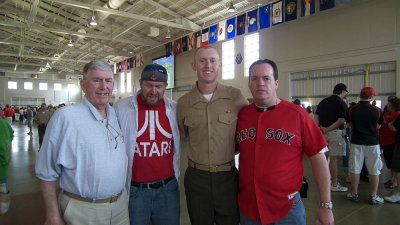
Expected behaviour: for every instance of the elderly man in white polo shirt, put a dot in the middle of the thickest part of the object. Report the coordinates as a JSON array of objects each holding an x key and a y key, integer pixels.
[{"x": 83, "y": 148}]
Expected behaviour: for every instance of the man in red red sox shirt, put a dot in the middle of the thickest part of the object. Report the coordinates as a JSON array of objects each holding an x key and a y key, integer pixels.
[{"x": 272, "y": 135}]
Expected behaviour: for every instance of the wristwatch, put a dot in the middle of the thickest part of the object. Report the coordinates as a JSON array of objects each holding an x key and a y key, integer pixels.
[{"x": 328, "y": 205}]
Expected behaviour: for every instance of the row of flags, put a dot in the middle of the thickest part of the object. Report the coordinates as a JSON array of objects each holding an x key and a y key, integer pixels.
[
  {"x": 128, "y": 64},
  {"x": 261, "y": 18}
]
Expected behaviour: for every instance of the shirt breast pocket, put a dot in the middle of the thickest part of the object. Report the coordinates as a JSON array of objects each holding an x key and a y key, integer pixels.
[{"x": 227, "y": 119}]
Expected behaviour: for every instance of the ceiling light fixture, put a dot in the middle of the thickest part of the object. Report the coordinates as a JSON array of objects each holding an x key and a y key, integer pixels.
[
  {"x": 231, "y": 7},
  {"x": 47, "y": 65},
  {"x": 168, "y": 36},
  {"x": 93, "y": 20},
  {"x": 70, "y": 43}
]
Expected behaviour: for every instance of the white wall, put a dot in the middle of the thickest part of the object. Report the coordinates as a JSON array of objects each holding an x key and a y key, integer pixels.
[{"x": 50, "y": 96}]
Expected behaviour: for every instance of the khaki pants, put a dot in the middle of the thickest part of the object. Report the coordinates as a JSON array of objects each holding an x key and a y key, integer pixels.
[{"x": 75, "y": 212}]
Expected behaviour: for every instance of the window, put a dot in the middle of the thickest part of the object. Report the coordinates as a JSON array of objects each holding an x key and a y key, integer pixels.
[
  {"x": 43, "y": 86},
  {"x": 228, "y": 60},
  {"x": 57, "y": 87},
  {"x": 12, "y": 85},
  {"x": 71, "y": 87},
  {"x": 122, "y": 82},
  {"x": 28, "y": 85},
  {"x": 251, "y": 51},
  {"x": 129, "y": 82}
]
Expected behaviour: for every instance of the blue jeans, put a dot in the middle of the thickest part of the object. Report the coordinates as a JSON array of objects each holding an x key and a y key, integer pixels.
[
  {"x": 160, "y": 206},
  {"x": 296, "y": 215}
]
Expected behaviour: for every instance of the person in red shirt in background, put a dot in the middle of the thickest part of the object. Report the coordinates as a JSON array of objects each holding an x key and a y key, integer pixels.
[
  {"x": 387, "y": 136},
  {"x": 8, "y": 113}
]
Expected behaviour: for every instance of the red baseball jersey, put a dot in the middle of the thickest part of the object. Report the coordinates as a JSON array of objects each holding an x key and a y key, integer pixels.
[{"x": 271, "y": 145}]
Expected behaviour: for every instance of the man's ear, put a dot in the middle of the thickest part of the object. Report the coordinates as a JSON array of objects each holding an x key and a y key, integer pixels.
[{"x": 193, "y": 66}]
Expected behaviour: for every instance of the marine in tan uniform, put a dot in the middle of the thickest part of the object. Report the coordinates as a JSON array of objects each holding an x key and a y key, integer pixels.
[{"x": 207, "y": 120}]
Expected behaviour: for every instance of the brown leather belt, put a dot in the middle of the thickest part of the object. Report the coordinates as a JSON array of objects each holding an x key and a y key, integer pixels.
[
  {"x": 111, "y": 199},
  {"x": 230, "y": 166}
]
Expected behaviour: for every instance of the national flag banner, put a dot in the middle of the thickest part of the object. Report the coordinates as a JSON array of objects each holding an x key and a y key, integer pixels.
[
  {"x": 307, "y": 7},
  {"x": 119, "y": 67},
  {"x": 178, "y": 46},
  {"x": 168, "y": 49},
  {"x": 230, "y": 27},
  {"x": 198, "y": 39},
  {"x": 213, "y": 33},
  {"x": 185, "y": 44},
  {"x": 241, "y": 24},
  {"x": 252, "y": 21},
  {"x": 134, "y": 61},
  {"x": 131, "y": 63},
  {"x": 290, "y": 10},
  {"x": 139, "y": 60},
  {"x": 123, "y": 65},
  {"x": 326, "y": 4},
  {"x": 191, "y": 41},
  {"x": 264, "y": 13},
  {"x": 115, "y": 68},
  {"x": 204, "y": 36},
  {"x": 277, "y": 13},
  {"x": 221, "y": 30},
  {"x": 128, "y": 63}
]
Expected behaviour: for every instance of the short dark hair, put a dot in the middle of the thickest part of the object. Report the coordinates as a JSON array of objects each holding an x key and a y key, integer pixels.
[
  {"x": 395, "y": 102},
  {"x": 266, "y": 61}
]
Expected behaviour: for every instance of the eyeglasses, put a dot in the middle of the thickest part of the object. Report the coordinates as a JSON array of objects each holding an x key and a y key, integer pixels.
[{"x": 114, "y": 133}]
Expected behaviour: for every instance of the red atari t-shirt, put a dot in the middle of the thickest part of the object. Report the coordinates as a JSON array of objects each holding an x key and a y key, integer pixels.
[{"x": 154, "y": 149}]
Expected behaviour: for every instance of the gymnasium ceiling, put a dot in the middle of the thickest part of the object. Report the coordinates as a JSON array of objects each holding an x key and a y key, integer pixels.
[{"x": 34, "y": 33}]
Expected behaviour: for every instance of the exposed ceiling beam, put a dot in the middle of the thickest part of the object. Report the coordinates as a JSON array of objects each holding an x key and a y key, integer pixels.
[
  {"x": 22, "y": 63},
  {"x": 172, "y": 13},
  {"x": 94, "y": 36},
  {"x": 33, "y": 12},
  {"x": 73, "y": 50},
  {"x": 184, "y": 26},
  {"x": 42, "y": 57}
]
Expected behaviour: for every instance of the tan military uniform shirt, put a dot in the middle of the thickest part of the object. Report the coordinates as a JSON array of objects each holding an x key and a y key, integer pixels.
[
  {"x": 210, "y": 126},
  {"x": 42, "y": 117}
]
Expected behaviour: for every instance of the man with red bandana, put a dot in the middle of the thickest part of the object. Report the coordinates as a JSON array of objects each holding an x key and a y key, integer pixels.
[{"x": 272, "y": 137}]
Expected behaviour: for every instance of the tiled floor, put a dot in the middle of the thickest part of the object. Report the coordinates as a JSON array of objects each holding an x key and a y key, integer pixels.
[{"x": 27, "y": 205}]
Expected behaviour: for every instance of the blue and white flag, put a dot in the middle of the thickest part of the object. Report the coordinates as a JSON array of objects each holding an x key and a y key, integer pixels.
[
  {"x": 277, "y": 13},
  {"x": 307, "y": 7},
  {"x": 264, "y": 13},
  {"x": 213, "y": 33},
  {"x": 241, "y": 24},
  {"x": 290, "y": 10},
  {"x": 326, "y": 4},
  {"x": 230, "y": 27},
  {"x": 252, "y": 21}
]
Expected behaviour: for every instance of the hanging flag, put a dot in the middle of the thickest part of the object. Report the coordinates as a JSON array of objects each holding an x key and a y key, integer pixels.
[
  {"x": 241, "y": 24},
  {"x": 213, "y": 33},
  {"x": 168, "y": 49},
  {"x": 221, "y": 30},
  {"x": 123, "y": 65},
  {"x": 198, "y": 39},
  {"x": 204, "y": 36},
  {"x": 307, "y": 7},
  {"x": 115, "y": 68},
  {"x": 230, "y": 27},
  {"x": 265, "y": 16},
  {"x": 185, "y": 44},
  {"x": 134, "y": 61},
  {"x": 191, "y": 41},
  {"x": 119, "y": 67},
  {"x": 178, "y": 46},
  {"x": 290, "y": 10},
  {"x": 326, "y": 4},
  {"x": 277, "y": 12},
  {"x": 128, "y": 63},
  {"x": 131, "y": 63},
  {"x": 252, "y": 21},
  {"x": 139, "y": 60}
]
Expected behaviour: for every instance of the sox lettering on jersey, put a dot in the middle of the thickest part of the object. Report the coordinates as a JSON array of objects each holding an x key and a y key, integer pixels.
[
  {"x": 278, "y": 135},
  {"x": 151, "y": 148}
]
